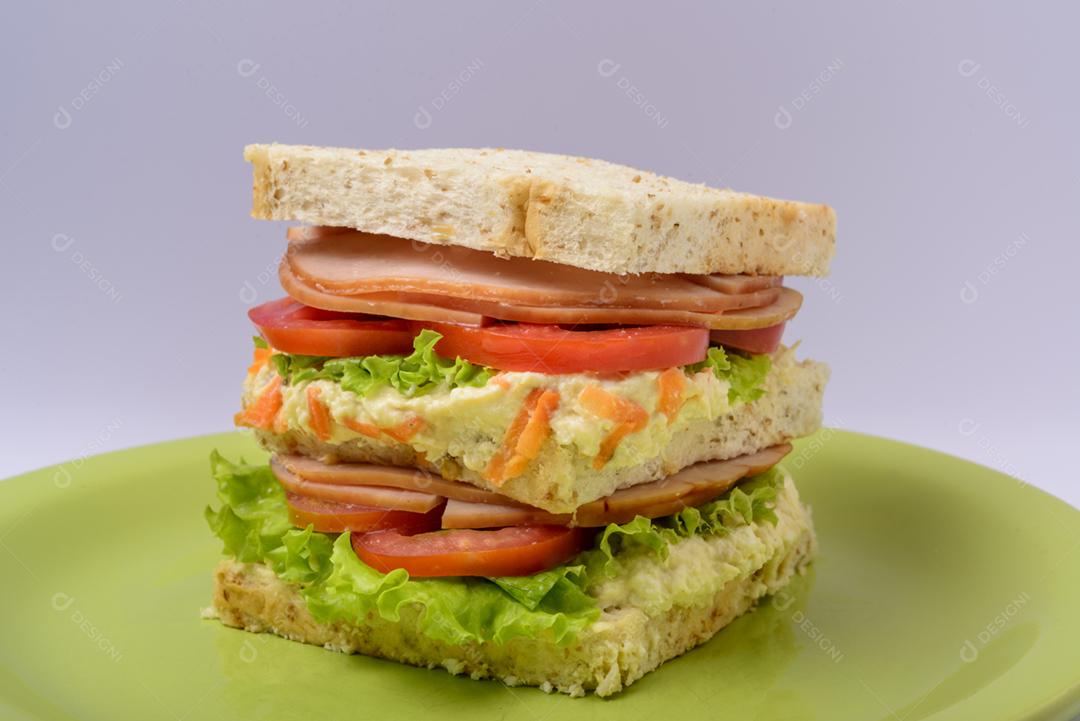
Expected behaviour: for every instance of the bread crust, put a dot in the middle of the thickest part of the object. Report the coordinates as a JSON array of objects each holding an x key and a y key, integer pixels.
[
  {"x": 624, "y": 644},
  {"x": 576, "y": 211}
]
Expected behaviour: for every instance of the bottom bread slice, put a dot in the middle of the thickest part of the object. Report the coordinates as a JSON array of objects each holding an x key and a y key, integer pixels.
[{"x": 654, "y": 610}]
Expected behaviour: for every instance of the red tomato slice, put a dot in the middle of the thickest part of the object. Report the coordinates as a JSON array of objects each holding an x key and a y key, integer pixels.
[
  {"x": 552, "y": 349},
  {"x": 332, "y": 517},
  {"x": 514, "y": 551},
  {"x": 758, "y": 340},
  {"x": 296, "y": 328}
]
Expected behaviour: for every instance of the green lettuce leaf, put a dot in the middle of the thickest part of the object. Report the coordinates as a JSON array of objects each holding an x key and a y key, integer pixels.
[
  {"x": 600, "y": 561},
  {"x": 744, "y": 373},
  {"x": 297, "y": 368},
  {"x": 532, "y": 590},
  {"x": 420, "y": 372},
  {"x": 751, "y": 502},
  {"x": 453, "y": 610},
  {"x": 303, "y": 556},
  {"x": 423, "y": 370},
  {"x": 254, "y": 527},
  {"x": 253, "y": 516}
]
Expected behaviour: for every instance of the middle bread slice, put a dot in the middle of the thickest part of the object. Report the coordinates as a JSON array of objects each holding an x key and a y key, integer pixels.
[{"x": 553, "y": 442}]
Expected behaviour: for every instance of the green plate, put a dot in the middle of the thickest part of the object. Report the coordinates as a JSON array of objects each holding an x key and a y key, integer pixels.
[{"x": 943, "y": 590}]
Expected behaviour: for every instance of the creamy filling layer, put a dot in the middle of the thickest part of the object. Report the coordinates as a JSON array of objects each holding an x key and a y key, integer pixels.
[{"x": 470, "y": 423}]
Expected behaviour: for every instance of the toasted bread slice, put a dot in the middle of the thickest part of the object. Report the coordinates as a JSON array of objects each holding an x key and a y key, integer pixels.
[
  {"x": 576, "y": 211},
  {"x": 656, "y": 610}
]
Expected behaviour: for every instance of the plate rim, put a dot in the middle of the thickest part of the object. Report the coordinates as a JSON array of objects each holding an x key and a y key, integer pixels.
[{"x": 1062, "y": 705}]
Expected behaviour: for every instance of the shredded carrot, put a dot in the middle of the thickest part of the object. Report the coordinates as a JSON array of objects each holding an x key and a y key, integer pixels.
[
  {"x": 496, "y": 468},
  {"x": 365, "y": 429},
  {"x": 405, "y": 430},
  {"x": 402, "y": 432},
  {"x": 532, "y": 436},
  {"x": 318, "y": 414},
  {"x": 261, "y": 413},
  {"x": 611, "y": 442},
  {"x": 281, "y": 424},
  {"x": 672, "y": 383},
  {"x": 262, "y": 355},
  {"x": 628, "y": 416},
  {"x": 610, "y": 406}
]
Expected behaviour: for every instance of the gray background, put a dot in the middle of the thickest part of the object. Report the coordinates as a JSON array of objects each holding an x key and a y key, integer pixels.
[{"x": 944, "y": 135}]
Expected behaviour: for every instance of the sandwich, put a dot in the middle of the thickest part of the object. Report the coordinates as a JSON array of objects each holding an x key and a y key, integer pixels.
[{"x": 525, "y": 413}]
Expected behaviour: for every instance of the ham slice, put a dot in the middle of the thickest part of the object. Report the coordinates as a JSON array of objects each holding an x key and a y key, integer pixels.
[
  {"x": 310, "y": 232},
  {"x": 470, "y": 311},
  {"x": 729, "y": 284},
  {"x": 691, "y": 486},
  {"x": 395, "y": 499},
  {"x": 370, "y": 474},
  {"x": 756, "y": 299},
  {"x": 736, "y": 284},
  {"x": 463, "y": 514},
  {"x": 357, "y": 263},
  {"x": 471, "y": 507},
  {"x": 358, "y": 304}
]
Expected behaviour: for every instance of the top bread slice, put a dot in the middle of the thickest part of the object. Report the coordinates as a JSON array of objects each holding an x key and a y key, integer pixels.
[{"x": 575, "y": 211}]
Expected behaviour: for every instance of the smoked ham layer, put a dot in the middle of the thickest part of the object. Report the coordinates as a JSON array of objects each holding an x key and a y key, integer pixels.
[
  {"x": 359, "y": 272},
  {"x": 370, "y": 474},
  {"x": 390, "y": 498},
  {"x": 471, "y": 507}
]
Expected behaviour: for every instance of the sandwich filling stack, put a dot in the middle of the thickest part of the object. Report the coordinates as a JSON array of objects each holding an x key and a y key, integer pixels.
[{"x": 525, "y": 412}]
